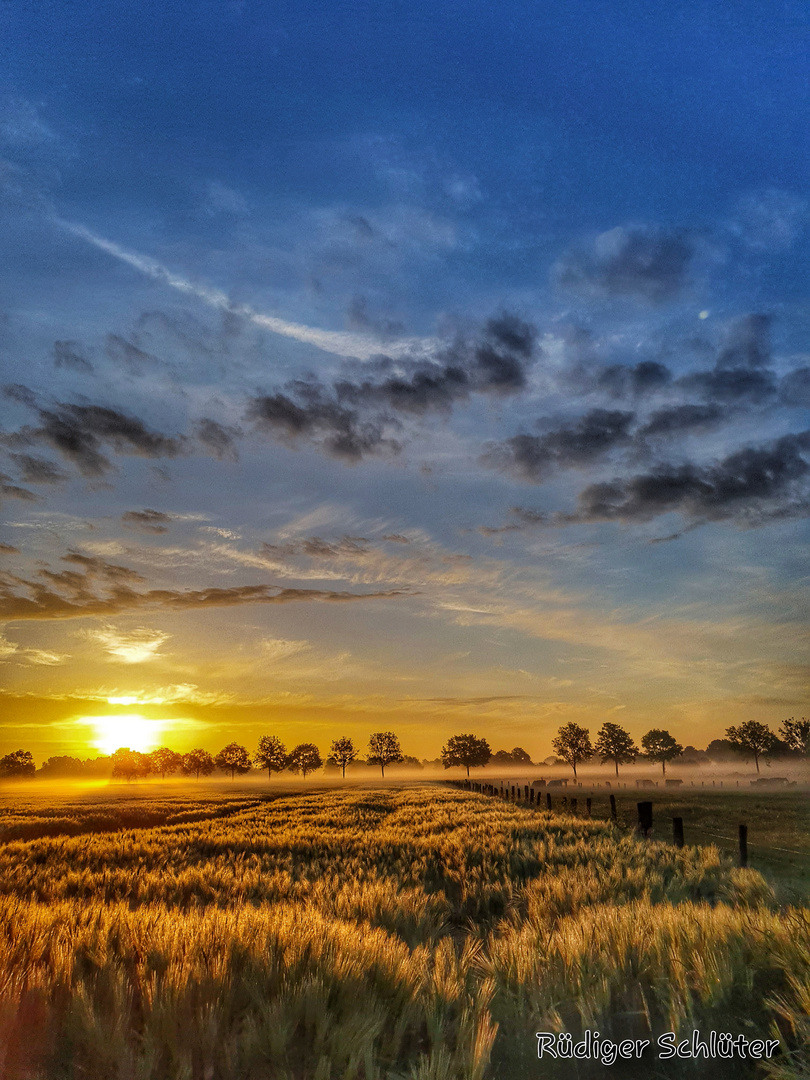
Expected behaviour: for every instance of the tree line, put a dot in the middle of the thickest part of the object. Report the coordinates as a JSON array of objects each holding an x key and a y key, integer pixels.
[
  {"x": 234, "y": 759},
  {"x": 572, "y": 746}
]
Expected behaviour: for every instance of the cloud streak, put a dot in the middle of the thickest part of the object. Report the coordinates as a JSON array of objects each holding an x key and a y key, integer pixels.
[
  {"x": 337, "y": 342},
  {"x": 102, "y": 588}
]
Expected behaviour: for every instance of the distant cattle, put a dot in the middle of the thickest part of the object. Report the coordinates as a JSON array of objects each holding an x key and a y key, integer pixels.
[
  {"x": 538, "y": 783},
  {"x": 646, "y": 783},
  {"x": 770, "y": 781},
  {"x": 674, "y": 783},
  {"x": 558, "y": 783}
]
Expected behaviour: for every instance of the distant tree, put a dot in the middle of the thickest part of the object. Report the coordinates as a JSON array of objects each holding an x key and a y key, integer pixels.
[
  {"x": 573, "y": 744},
  {"x": 411, "y": 762},
  {"x": 130, "y": 764},
  {"x": 99, "y": 767},
  {"x": 520, "y": 756},
  {"x": 751, "y": 739},
  {"x": 197, "y": 763},
  {"x": 503, "y": 757},
  {"x": 383, "y": 749},
  {"x": 17, "y": 766},
  {"x": 165, "y": 761},
  {"x": 466, "y": 750},
  {"x": 692, "y": 756},
  {"x": 343, "y": 752},
  {"x": 271, "y": 755},
  {"x": 62, "y": 767},
  {"x": 615, "y": 744},
  {"x": 796, "y": 733},
  {"x": 304, "y": 758},
  {"x": 719, "y": 750},
  {"x": 659, "y": 745},
  {"x": 233, "y": 759}
]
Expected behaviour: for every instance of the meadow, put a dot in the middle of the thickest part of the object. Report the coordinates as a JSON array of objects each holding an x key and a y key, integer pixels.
[{"x": 404, "y": 932}]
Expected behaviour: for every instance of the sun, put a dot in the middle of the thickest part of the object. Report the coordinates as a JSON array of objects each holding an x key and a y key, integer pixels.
[{"x": 128, "y": 729}]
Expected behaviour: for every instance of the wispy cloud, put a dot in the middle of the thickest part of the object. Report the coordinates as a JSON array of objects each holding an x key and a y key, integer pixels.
[
  {"x": 131, "y": 646},
  {"x": 340, "y": 343}
]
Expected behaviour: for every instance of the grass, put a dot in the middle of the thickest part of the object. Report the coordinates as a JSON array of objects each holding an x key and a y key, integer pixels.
[
  {"x": 778, "y": 826},
  {"x": 407, "y": 932}
]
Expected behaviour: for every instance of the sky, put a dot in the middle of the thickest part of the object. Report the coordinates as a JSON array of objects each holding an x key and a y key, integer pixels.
[{"x": 435, "y": 368}]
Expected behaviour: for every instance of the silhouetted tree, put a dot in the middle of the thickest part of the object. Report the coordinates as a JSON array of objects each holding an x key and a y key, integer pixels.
[
  {"x": 521, "y": 756},
  {"x": 751, "y": 739},
  {"x": 659, "y": 745},
  {"x": 615, "y": 744},
  {"x": 304, "y": 758},
  {"x": 343, "y": 752},
  {"x": 466, "y": 750},
  {"x": 383, "y": 749},
  {"x": 503, "y": 757},
  {"x": 17, "y": 766},
  {"x": 719, "y": 750},
  {"x": 62, "y": 766},
  {"x": 130, "y": 764},
  {"x": 572, "y": 743},
  {"x": 165, "y": 761},
  {"x": 796, "y": 734},
  {"x": 271, "y": 755},
  {"x": 197, "y": 763},
  {"x": 410, "y": 762},
  {"x": 233, "y": 759}
]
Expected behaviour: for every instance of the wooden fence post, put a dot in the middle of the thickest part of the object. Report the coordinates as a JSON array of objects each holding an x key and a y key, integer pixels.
[
  {"x": 677, "y": 831},
  {"x": 645, "y": 818},
  {"x": 573, "y": 806},
  {"x": 588, "y": 807},
  {"x": 612, "y": 807},
  {"x": 548, "y": 800},
  {"x": 743, "y": 845}
]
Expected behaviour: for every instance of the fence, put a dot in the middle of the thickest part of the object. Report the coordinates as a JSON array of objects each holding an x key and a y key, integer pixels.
[{"x": 527, "y": 794}]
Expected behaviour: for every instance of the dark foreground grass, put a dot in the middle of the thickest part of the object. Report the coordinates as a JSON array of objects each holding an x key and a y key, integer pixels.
[{"x": 418, "y": 933}]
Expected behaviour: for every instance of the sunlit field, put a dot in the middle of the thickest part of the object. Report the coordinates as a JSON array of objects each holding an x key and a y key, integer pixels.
[{"x": 374, "y": 933}]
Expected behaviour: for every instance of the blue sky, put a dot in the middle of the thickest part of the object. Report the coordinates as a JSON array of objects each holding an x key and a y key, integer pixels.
[{"x": 475, "y": 336}]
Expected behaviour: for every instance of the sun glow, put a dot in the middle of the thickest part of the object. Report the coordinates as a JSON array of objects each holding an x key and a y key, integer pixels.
[{"x": 131, "y": 730}]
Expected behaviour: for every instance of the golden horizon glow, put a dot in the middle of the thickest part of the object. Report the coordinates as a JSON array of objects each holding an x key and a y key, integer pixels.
[{"x": 131, "y": 730}]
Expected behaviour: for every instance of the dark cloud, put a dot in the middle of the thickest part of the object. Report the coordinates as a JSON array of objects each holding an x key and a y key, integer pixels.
[
  {"x": 101, "y": 588},
  {"x": 532, "y": 457},
  {"x": 748, "y": 344},
  {"x": 520, "y": 518},
  {"x": 740, "y": 384},
  {"x": 317, "y": 417},
  {"x": 80, "y": 432},
  {"x": 358, "y": 317},
  {"x": 151, "y": 521},
  {"x": 620, "y": 380},
  {"x": 126, "y": 354},
  {"x": 218, "y": 439},
  {"x": 645, "y": 264},
  {"x": 9, "y": 490},
  {"x": 36, "y": 470},
  {"x": 395, "y": 538},
  {"x": 22, "y": 394},
  {"x": 680, "y": 418},
  {"x": 316, "y": 547},
  {"x": 355, "y": 417},
  {"x": 794, "y": 389},
  {"x": 754, "y": 484},
  {"x": 68, "y": 354}
]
